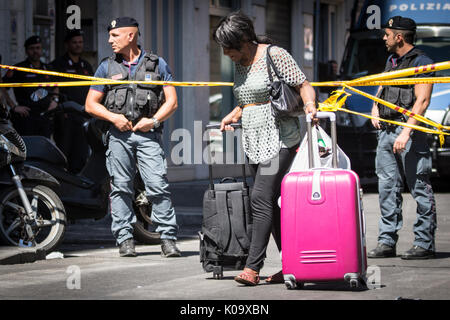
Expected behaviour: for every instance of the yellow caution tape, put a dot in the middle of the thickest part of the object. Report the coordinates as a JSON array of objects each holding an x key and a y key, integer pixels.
[
  {"x": 364, "y": 81},
  {"x": 402, "y": 73},
  {"x": 99, "y": 81},
  {"x": 369, "y": 80},
  {"x": 396, "y": 82},
  {"x": 112, "y": 82},
  {"x": 334, "y": 104},
  {"x": 49, "y": 73},
  {"x": 331, "y": 104},
  {"x": 399, "y": 109}
]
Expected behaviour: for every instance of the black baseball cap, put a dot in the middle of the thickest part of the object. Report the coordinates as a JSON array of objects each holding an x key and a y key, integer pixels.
[
  {"x": 122, "y": 22},
  {"x": 32, "y": 40},
  {"x": 401, "y": 23},
  {"x": 73, "y": 33}
]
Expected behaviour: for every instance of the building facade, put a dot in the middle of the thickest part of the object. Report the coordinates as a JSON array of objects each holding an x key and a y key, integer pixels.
[{"x": 181, "y": 32}]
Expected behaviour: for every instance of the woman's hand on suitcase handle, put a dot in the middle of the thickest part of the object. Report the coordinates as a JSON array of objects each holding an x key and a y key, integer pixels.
[
  {"x": 308, "y": 95},
  {"x": 231, "y": 118},
  {"x": 310, "y": 108}
]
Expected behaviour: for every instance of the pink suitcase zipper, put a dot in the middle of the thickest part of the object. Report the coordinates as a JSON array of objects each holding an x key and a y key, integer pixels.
[{"x": 322, "y": 224}]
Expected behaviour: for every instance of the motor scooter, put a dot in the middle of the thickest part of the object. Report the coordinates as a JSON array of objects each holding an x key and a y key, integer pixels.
[
  {"x": 31, "y": 213},
  {"x": 86, "y": 195}
]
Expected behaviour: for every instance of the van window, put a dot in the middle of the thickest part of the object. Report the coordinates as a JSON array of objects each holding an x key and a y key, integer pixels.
[
  {"x": 368, "y": 56},
  {"x": 438, "y": 49},
  {"x": 364, "y": 57}
]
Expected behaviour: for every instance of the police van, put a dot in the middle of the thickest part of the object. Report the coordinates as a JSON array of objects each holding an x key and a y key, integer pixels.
[{"x": 366, "y": 54}]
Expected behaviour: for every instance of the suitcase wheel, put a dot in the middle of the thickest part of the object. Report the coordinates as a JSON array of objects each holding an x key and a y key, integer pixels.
[
  {"x": 218, "y": 272},
  {"x": 354, "y": 280},
  {"x": 291, "y": 283},
  {"x": 354, "y": 283}
]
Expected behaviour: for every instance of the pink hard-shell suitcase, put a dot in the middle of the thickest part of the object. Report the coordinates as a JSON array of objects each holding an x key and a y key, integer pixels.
[{"x": 322, "y": 224}]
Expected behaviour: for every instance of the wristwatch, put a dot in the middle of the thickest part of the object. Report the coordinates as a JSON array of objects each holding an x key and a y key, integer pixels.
[
  {"x": 56, "y": 99},
  {"x": 156, "y": 123}
]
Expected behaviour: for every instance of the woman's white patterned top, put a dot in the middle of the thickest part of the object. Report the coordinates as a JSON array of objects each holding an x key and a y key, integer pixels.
[{"x": 263, "y": 135}]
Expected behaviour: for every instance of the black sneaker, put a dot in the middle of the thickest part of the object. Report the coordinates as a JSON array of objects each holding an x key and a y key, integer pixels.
[
  {"x": 382, "y": 251},
  {"x": 127, "y": 248},
  {"x": 418, "y": 253},
  {"x": 169, "y": 249}
]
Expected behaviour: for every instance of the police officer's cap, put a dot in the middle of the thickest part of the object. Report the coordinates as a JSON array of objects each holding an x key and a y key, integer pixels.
[
  {"x": 123, "y": 22},
  {"x": 401, "y": 23},
  {"x": 73, "y": 33},
  {"x": 32, "y": 40}
]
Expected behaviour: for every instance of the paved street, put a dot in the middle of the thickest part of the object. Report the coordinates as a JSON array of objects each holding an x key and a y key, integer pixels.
[{"x": 92, "y": 269}]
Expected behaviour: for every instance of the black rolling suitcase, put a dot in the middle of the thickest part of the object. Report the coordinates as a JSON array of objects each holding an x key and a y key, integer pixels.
[{"x": 226, "y": 227}]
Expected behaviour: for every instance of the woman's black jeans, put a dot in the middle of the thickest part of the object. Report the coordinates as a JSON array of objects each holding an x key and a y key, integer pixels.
[{"x": 264, "y": 204}]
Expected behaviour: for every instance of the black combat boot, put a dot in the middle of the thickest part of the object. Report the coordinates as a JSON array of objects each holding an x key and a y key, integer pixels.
[
  {"x": 418, "y": 253},
  {"x": 127, "y": 248},
  {"x": 382, "y": 251},
  {"x": 169, "y": 249}
]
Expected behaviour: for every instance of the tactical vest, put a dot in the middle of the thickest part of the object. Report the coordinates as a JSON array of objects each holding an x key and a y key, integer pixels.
[
  {"x": 402, "y": 96},
  {"x": 134, "y": 101}
]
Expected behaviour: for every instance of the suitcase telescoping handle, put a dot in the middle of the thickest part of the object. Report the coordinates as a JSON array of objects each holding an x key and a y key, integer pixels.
[
  {"x": 244, "y": 174},
  {"x": 334, "y": 152}
]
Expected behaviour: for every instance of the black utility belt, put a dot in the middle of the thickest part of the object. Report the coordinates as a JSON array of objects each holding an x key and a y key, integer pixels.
[
  {"x": 389, "y": 126},
  {"x": 394, "y": 119}
]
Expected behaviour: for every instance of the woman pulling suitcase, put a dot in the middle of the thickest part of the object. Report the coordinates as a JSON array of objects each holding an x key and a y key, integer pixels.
[{"x": 270, "y": 143}]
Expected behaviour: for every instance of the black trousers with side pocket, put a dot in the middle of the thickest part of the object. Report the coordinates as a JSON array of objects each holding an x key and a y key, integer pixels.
[{"x": 264, "y": 204}]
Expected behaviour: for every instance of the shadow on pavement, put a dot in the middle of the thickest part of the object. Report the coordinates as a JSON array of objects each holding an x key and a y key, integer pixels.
[
  {"x": 442, "y": 255},
  {"x": 332, "y": 286},
  {"x": 184, "y": 254}
]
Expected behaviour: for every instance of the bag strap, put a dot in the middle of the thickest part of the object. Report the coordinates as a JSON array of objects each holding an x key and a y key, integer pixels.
[
  {"x": 270, "y": 63},
  {"x": 224, "y": 220},
  {"x": 237, "y": 223}
]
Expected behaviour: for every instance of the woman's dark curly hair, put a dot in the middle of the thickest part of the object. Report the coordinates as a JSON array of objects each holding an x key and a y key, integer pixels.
[{"x": 235, "y": 29}]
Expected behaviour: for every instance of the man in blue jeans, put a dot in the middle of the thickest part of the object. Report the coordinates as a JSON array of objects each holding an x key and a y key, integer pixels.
[
  {"x": 404, "y": 153},
  {"x": 136, "y": 113}
]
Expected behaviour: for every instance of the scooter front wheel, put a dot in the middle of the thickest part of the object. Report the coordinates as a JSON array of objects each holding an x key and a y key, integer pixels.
[
  {"x": 144, "y": 229},
  {"x": 50, "y": 217}
]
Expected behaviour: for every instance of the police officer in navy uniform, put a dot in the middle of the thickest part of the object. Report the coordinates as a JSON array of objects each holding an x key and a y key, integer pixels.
[
  {"x": 135, "y": 113},
  {"x": 31, "y": 102},
  {"x": 69, "y": 135},
  {"x": 404, "y": 153}
]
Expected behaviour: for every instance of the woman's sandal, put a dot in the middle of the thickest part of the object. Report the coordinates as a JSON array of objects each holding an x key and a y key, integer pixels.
[
  {"x": 248, "y": 277},
  {"x": 276, "y": 278}
]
